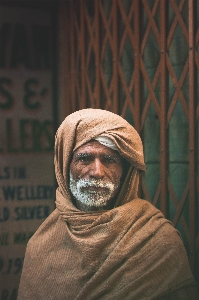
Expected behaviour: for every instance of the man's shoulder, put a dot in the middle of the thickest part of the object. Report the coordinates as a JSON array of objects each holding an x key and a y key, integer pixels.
[
  {"x": 46, "y": 232},
  {"x": 151, "y": 220}
]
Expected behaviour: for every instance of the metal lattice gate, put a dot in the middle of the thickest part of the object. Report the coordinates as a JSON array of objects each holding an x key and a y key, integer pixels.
[{"x": 140, "y": 59}]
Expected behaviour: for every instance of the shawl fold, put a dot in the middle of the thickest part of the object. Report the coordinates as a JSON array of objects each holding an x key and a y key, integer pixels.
[{"x": 128, "y": 252}]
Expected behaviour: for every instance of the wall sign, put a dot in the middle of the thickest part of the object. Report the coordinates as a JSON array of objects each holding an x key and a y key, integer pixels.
[{"x": 27, "y": 185}]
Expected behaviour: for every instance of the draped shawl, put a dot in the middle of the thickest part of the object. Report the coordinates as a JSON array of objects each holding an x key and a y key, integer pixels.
[{"x": 128, "y": 252}]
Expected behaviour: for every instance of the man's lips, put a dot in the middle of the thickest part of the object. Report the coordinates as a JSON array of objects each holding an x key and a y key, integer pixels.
[{"x": 95, "y": 189}]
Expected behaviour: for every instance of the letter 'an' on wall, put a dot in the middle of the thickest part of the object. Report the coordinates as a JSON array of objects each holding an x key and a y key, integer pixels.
[{"x": 27, "y": 184}]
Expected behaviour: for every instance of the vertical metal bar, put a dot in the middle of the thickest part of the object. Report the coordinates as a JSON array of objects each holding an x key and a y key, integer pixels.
[
  {"x": 137, "y": 87},
  {"x": 66, "y": 84},
  {"x": 137, "y": 83},
  {"x": 55, "y": 80},
  {"x": 97, "y": 50},
  {"x": 192, "y": 145},
  {"x": 82, "y": 37},
  {"x": 73, "y": 70},
  {"x": 163, "y": 110},
  {"x": 115, "y": 100}
]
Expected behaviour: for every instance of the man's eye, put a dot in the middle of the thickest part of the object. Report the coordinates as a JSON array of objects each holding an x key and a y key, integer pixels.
[
  {"x": 84, "y": 158},
  {"x": 109, "y": 159}
]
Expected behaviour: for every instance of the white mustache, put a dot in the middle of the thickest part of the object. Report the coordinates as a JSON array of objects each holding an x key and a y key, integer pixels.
[{"x": 83, "y": 183}]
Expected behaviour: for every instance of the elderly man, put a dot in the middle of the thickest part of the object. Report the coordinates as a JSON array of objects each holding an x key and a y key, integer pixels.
[{"x": 102, "y": 241}]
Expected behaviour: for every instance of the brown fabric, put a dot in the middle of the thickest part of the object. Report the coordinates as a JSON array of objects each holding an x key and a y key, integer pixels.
[
  {"x": 128, "y": 252},
  {"x": 185, "y": 292}
]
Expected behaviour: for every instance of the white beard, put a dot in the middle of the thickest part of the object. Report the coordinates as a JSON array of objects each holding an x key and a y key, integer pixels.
[{"x": 91, "y": 197}]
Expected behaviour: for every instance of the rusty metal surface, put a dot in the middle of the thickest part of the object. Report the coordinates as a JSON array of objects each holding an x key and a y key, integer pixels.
[
  {"x": 192, "y": 139},
  {"x": 123, "y": 56}
]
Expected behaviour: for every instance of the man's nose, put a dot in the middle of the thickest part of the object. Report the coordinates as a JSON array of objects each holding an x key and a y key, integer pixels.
[{"x": 97, "y": 169}]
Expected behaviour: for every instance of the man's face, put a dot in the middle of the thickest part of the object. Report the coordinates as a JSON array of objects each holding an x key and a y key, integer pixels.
[{"x": 95, "y": 173}]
